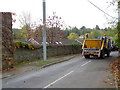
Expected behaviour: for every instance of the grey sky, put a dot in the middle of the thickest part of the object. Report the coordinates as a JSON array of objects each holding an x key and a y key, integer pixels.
[{"x": 73, "y": 12}]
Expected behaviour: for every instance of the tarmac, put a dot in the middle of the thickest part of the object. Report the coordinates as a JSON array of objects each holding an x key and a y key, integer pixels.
[{"x": 32, "y": 67}]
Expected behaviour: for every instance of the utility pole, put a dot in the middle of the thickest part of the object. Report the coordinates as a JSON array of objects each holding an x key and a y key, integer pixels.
[
  {"x": 44, "y": 30},
  {"x": 119, "y": 11},
  {"x": 118, "y": 27}
]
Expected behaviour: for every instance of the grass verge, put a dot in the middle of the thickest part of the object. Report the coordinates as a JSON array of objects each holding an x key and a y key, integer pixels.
[{"x": 47, "y": 62}]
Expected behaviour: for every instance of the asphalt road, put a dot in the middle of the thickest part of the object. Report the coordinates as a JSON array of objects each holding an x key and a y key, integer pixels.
[{"x": 75, "y": 73}]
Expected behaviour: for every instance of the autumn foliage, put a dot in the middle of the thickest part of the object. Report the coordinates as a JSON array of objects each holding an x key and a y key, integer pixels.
[{"x": 53, "y": 30}]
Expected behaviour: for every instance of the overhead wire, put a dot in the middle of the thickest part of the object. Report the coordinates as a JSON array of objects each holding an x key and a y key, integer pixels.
[{"x": 101, "y": 9}]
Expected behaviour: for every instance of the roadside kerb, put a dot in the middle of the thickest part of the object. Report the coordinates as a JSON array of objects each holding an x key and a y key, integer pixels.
[
  {"x": 46, "y": 65},
  {"x": 57, "y": 62}
]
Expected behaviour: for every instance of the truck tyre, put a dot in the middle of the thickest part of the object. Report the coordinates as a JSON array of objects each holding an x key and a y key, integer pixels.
[
  {"x": 102, "y": 55},
  {"x": 108, "y": 54},
  {"x": 87, "y": 56}
]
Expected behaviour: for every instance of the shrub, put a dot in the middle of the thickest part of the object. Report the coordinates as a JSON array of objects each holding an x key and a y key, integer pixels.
[{"x": 19, "y": 44}]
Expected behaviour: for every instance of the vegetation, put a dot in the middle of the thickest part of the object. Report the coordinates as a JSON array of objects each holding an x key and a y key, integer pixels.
[
  {"x": 47, "y": 62},
  {"x": 95, "y": 34},
  {"x": 73, "y": 36},
  {"x": 118, "y": 35},
  {"x": 19, "y": 44},
  {"x": 29, "y": 30},
  {"x": 55, "y": 32}
]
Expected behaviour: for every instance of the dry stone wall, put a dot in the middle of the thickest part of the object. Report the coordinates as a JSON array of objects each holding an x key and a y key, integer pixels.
[{"x": 22, "y": 54}]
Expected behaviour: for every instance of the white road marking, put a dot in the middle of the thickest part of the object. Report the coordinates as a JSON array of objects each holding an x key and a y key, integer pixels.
[
  {"x": 85, "y": 63},
  {"x": 58, "y": 79}
]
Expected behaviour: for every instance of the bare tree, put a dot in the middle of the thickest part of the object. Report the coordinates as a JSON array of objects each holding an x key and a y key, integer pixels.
[{"x": 25, "y": 21}]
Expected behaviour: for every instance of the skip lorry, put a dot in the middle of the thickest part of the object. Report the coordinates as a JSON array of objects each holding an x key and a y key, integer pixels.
[{"x": 96, "y": 47}]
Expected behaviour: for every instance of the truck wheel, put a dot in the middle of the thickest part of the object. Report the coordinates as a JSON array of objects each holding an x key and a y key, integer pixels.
[
  {"x": 102, "y": 55},
  {"x": 87, "y": 56},
  {"x": 108, "y": 54}
]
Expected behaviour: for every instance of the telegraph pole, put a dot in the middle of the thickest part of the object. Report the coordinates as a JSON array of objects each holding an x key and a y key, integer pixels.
[
  {"x": 119, "y": 11},
  {"x": 44, "y": 31},
  {"x": 118, "y": 27}
]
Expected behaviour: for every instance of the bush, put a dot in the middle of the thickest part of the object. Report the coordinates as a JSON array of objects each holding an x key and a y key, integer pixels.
[{"x": 19, "y": 44}]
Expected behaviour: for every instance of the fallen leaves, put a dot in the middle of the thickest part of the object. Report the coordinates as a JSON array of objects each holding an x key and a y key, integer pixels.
[
  {"x": 108, "y": 81},
  {"x": 104, "y": 81},
  {"x": 9, "y": 69},
  {"x": 115, "y": 66}
]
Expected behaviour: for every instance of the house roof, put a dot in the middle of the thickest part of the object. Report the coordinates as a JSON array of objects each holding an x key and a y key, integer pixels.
[
  {"x": 68, "y": 42},
  {"x": 63, "y": 41}
]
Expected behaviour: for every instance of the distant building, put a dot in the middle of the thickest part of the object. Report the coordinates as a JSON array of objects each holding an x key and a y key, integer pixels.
[
  {"x": 81, "y": 36},
  {"x": 60, "y": 42},
  {"x": 33, "y": 41},
  {"x": 68, "y": 42}
]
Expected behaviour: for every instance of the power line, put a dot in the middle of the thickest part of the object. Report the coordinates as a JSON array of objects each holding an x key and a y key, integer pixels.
[{"x": 101, "y": 9}]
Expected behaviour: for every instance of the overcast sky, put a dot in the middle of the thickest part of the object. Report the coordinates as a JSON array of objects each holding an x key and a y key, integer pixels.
[{"x": 74, "y": 12}]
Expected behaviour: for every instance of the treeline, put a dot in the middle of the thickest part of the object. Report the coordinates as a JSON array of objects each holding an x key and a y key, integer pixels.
[
  {"x": 72, "y": 33},
  {"x": 55, "y": 32},
  {"x": 93, "y": 33}
]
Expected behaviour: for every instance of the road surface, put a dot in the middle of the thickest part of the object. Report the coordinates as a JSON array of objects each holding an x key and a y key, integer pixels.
[{"x": 75, "y": 73}]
